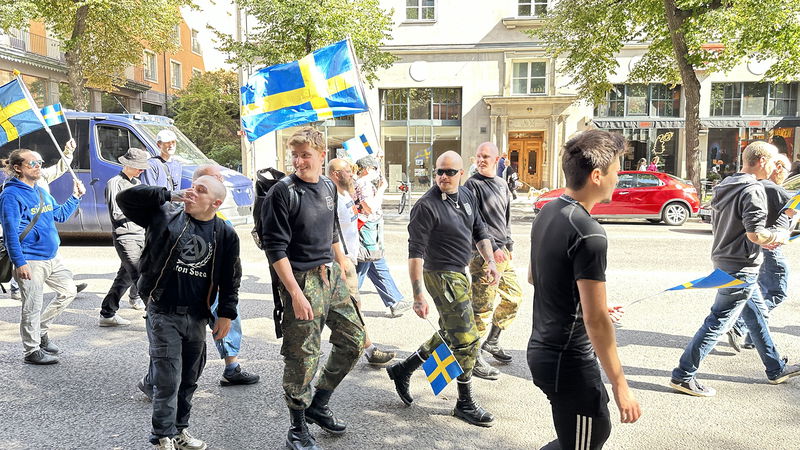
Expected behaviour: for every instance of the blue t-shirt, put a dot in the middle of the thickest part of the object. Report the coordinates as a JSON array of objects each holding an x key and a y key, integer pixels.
[{"x": 156, "y": 175}]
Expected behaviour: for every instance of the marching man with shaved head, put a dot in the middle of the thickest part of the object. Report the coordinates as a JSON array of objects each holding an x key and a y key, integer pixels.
[
  {"x": 444, "y": 227},
  {"x": 190, "y": 257},
  {"x": 494, "y": 207}
]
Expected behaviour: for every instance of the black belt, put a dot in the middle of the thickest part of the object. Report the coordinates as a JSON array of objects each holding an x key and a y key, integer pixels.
[{"x": 169, "y": 309}]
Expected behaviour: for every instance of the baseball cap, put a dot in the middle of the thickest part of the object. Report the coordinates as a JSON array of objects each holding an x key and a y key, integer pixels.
[{"x": 166, "y": 136}]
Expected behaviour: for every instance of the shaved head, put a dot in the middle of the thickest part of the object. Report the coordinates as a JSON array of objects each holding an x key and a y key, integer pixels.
[
  {"x": 215, "y": 187},
  {"x": 486, "y": 158},
  {"x": 449, "y": 160},
  {"x": 208, "y": 169},
  {"x": 489, "y": 147},
  {"x": 338, "y": 164}
]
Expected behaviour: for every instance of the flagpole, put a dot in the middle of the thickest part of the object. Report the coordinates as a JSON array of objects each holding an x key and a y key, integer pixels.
[
  {"x": 437, "y": 331},
  {"x": 46, "y": 127},
  {"x": 644, "y": 298},
  {"x": 363, "y": 93}
]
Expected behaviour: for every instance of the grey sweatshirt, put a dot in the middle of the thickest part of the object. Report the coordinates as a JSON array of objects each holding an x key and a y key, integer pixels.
[{"x": 739, "y": 206}]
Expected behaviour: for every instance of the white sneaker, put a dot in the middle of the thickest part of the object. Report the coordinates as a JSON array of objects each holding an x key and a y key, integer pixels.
[
  {"x": 15, "y": 295},
  {"x": 136, "y": 304},
  {"x": 185, "y": 441},
  {"x": 165, "y": 443},
  {"x": 113, "y": 321}
]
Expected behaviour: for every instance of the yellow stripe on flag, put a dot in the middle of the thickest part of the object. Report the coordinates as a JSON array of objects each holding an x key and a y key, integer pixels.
[
  {"x": 441, "y": 368},
  {"x": 7, "y": 112},
  {"x": 732, "y": 284},
  {"x": 308, "y": 93},
  {"x": 794, "y": 203}
]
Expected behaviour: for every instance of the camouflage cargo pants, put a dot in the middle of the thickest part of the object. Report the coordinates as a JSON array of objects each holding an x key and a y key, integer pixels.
[
  {"x": 451, "y": 294},
  {"x": 330, "y": 300},
  {"x": 484, "y": 294}
]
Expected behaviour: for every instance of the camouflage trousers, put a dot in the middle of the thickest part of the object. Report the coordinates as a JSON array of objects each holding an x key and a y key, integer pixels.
[
  {"x": 330, "y": 300},
  {"x": 484, "y": 294},
  {"x": 451, "y": 294}
]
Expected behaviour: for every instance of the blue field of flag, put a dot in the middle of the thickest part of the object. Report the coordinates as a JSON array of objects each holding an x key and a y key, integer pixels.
[
  {"x": 717, "y": 279},
  {"x": 53, "y": 115},
  {"x": 441, "y": 368}
]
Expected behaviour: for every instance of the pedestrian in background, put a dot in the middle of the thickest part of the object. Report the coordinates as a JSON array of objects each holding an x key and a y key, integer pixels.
[
  {"x": 653, "y": 166},
  {"x": 29, "y": 214},
  {"x": 642, "y": 166},
  {"x": 165, "y": 170}
]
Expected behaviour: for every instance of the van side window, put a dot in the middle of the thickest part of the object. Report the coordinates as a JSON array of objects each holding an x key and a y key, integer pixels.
[
  {"x": 115, "y": 142},
  {"x": 40, "y": 142}
]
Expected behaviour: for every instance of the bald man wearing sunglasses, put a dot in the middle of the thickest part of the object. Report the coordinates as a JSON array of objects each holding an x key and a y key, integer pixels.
[{"x": 443, "y": 226}]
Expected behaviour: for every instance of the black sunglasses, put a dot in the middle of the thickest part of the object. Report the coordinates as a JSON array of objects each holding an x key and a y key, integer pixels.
[{"x": 448, "y": 172}]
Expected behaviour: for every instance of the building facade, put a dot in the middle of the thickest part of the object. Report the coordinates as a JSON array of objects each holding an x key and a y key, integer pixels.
[{"x": 148, "y": 88}]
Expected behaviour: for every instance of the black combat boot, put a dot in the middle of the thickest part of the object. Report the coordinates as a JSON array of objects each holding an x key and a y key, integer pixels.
[
  {"x": 299, "y": 438},
  {"x": 319, "y": 413},
  {"x": 492, "y": 347},
  {"x": 401, "y": 374},
  {"x": 483, "y": 370},
  {"x": 467, "y": 410}
]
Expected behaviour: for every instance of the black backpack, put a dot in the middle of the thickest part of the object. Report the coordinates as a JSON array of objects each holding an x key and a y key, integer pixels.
[{"x": 266, "y": 179}]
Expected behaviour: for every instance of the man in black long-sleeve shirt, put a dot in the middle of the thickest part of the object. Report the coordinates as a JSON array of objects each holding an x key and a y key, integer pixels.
[
  {"x": 494, "y": 206},
  {"x": 301, "y": 241},
  {"x": 443, "y": 226}
]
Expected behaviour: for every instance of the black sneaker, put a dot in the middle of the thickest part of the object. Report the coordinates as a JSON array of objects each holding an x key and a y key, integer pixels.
[
  {"x": 399, "y": 308},
  {"x": 239, "y": 376},
  {"x": 47, "y": 345},
  {"x": 692, "y": 387},
  {"x": 146, "y": 389},
  {"x": 733, "y": 340},
  {"x": 80, "y": 287},
  {"x": 41, "y": 358},
  {"x": 789, "y": 371}
]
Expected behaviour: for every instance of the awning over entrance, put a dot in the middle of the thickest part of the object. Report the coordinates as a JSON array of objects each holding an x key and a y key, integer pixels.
[
  {"x": 705, "y": 122},
  {"x": 619, "y": 123}
]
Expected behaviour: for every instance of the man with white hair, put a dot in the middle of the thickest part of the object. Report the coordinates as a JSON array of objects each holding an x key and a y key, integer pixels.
[{"x": 164, "y": 170}]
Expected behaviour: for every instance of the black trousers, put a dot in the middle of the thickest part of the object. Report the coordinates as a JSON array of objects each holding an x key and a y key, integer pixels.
[
  {"x": 177, "y": 358},
  {"x": 129, "y": 251}
]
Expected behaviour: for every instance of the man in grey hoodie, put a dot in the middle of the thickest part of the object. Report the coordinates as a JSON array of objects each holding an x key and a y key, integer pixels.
[{"x": 738, "y": 219}]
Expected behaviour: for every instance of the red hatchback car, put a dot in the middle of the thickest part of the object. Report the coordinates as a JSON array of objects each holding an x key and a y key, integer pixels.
[{"x": 654, "y": 196}]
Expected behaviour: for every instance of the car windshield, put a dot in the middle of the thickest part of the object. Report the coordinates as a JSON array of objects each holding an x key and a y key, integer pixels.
[
  {"x": 792, "y": 184},
  {"x": 186, "y": 152}
]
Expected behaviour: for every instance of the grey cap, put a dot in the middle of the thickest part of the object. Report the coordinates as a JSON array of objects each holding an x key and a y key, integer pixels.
[
  {"x": 135, "y": 158},
  {"x": 367, "y": 162}
]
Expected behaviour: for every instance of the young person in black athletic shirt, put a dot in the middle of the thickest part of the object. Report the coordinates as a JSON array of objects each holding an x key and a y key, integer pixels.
[{"x": 571, "y": 319}]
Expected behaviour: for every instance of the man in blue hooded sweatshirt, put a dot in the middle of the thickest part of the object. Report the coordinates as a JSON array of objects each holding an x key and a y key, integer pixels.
[{"x": 35, "y": 258}]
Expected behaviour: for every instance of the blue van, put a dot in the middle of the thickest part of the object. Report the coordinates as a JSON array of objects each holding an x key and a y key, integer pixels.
[{"x": 102, "y": 138}]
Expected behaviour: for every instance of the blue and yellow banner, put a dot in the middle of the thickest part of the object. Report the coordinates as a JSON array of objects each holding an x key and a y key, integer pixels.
[
  {"x": 794, "y": 202},
  {"x": 320, "y": 86},
  {"x": 716, "y": 280},
  {"x": 18, "y": 113},
  {"x": 53, "y": 115},
  {"x": 441, "y": 368},
  {"x": 357, "y": 148}
]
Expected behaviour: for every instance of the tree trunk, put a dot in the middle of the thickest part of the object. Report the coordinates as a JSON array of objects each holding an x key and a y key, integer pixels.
[
  {"x": 74, "y": 64},
  {"x": 691, "y": 91}
]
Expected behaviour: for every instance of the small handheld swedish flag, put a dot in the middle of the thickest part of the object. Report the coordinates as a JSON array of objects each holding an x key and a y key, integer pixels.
[
  {"x": 441, "y": 368},
  {"x": 794, "y": 202},
  {"x": 53, "y": 115},
  {"x": 357, "y": 147},
  {"x": 18, "y": 113},
  {"x": 716, "y": 280}
]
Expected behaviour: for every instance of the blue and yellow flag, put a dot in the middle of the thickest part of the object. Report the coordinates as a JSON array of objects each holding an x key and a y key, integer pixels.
[
  {"x": 320, "y": 86},
  {"x": 53, "y": 115},
  {"x": 18, "y": 113},
  {"x": 357, "y": 147},
  {"x": 716, "y": 280},
  {"x": 794, "y": 202},
  {"x": 441, "y": 368}
]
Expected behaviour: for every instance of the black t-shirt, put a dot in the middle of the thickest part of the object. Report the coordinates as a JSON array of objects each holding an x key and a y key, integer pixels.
[
  {"x": 567, "y": 245},
  {"x": 777, "y": 197},
  {"x": 189, "y": 283},
  {"x": 306, "y": 238},
  {"x": 443, "y": 234},
  {"x": 494, "y": 202}
]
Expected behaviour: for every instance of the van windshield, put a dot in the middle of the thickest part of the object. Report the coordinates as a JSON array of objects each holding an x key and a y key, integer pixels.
[{"x": 186, "y": 152}]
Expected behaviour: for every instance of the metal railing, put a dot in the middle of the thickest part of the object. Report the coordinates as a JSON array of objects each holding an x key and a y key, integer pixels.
[{"x": 33, "y": 43}]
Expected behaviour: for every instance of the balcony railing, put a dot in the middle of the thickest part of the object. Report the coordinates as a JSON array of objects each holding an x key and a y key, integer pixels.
[{"x": 33, "y": 43}]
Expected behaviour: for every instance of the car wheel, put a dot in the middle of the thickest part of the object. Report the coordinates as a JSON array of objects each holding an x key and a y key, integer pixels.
[
  {"x": 654, "y": 220},
  {"x": 675, "y": 214}
]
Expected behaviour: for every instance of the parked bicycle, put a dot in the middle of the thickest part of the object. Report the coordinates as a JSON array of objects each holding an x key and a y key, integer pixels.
[{"x": 405, "y": 189}]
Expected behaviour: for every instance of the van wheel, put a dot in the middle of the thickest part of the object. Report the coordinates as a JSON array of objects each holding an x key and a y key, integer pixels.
[{"x": 675, "y": 214}]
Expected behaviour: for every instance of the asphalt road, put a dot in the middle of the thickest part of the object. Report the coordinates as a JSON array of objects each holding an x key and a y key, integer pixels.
[{"x": 90, "y": 399}]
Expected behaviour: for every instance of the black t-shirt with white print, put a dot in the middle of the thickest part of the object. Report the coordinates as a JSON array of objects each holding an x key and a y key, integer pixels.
[
  {"x": 567, "y": 245},
  {"x": 188, "y": 285}
]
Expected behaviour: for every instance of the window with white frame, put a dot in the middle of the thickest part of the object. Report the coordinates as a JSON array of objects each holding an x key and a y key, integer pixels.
[
  {"x": 754, "y": 99},
  {"x": 150, "y": 70},
  {"x": 196, "y": 43},
  {"x": 424, "y": 10},
  {"x": 532, "y": 8},
  {"x": 196, "y": 72},
  {"x": 176, "y": 34},
  {"x": 175, "y": 72},
  {"x": 529, "y": 78}
]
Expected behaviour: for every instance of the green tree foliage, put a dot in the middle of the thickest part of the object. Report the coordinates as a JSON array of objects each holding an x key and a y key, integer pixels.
[
  {"x": 291, "y": 29},
  {"x": 207, "y": 111},
  {"x": 102, "y": 37},
  {"x": 589, "y": 34}
]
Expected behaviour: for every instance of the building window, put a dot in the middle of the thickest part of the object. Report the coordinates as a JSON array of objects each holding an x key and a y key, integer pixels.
[
  {"x": 754, "y": 100},
  {"x": 726, "y": 99},
  {"x": 421, "y": 10},
  {"x": 150, "y": 70},
  {"x": 532, "y": 8},
  {"x": 636, "y": 99},
  {"x": 446, "y": 104},
  {"x": 175, "y": 72},
  {"x": 529, "y": 78},
  {"x": 665, "y": 101},
  {"x": 421, "y": 104},
  {"x": 176, "y": 35},
  {"x": 196, "y": 43},
  {"x": 782, "y": 99},
  {"x": 113, "y": 103},
  {"x": 196, "y": 72},
  {"x": 394, "y": 104},
  {"x": 615, "y": 105}
]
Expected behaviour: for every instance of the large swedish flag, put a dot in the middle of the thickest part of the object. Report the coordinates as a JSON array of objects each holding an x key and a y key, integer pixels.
[
  {"x": 17, "y": 112},
  {"x": 322, "y": 85},
  {"x": 441, "y": 367},
  {"x": 716, "y": 280}
]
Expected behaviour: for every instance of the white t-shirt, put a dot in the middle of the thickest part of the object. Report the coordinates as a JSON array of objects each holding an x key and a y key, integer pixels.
[{"x": 348, "y": 219}]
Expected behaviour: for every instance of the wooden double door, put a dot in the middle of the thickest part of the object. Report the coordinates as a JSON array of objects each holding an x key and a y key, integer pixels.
[{"x": 525, "y": 152}]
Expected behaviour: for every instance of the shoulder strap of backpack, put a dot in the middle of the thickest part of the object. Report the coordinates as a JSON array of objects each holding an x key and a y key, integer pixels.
[
  {"x": 32, "y": 223},
  {"x": 335, "y": 195}
]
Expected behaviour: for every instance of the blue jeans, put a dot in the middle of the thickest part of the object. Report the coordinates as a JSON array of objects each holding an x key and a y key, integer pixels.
[
  {"x": 728, "y": 305},
  {"x": 379, "y": 273},
  {"x": 773, "y": 280},
  {"x": 230, "y": 344}
]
